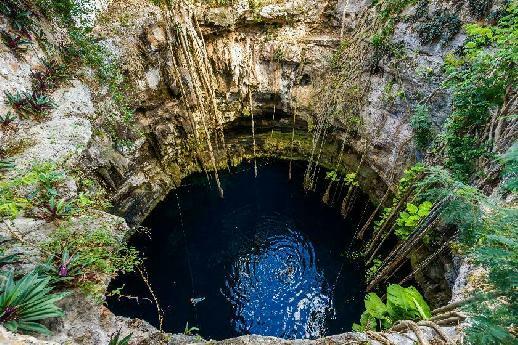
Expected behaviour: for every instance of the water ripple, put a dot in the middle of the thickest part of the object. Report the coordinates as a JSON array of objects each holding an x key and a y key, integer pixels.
[{"x": 276, "y": 288}]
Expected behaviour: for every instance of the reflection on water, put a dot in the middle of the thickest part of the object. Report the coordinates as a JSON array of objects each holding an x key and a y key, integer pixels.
[
  {"x": 267, "y": 259},
  {"x": 276, "y": 288}
]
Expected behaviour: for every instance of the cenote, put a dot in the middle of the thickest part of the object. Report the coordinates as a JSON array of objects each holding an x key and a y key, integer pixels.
[{"x": 269, "y": 259}]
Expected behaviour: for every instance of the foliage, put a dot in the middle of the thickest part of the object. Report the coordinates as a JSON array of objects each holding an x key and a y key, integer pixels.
[
  {"x": 479, "y": 84},
  {"x": 439, "y": 27},
  {"x": 371, "y": 271},
  {"x": 383, "y": 46},
  {"x": 115, "y": 339},
  {"x": 6, "y": 164},
  {"x": 509, "y": 161},
  {"x": 7, "y": 119},
  {"x": 421, "y": 123},
  {"x": 488, "y": 237},
  {"x": 332, "y": 176},
  {"x": 479, "y": 8},
  {"x": 6, "y": 259},
  {"x": 350, "y": 179},
  {"x": 19, "y": 16},
  {"x": 86, "y": 259},
  {"x": 27, "y": 103},
  {"x": 16, "y": 42},
  {"x": 402, "y": 304},
  {"x": 409, "y": 178},
  {"x": 410, "y": 218},
  {"x": 52, "y": 74},
  {"x": 41, "y": 187},
  {"x": 25, "y": 302},
  {"x": 64, "y": 10},
  {"x": 392, "y": 8},
  {"x": 85, "y": 49},
  {"x": 190, "y": 330}
]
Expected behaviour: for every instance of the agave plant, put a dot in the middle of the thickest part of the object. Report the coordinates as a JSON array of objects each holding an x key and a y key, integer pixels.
[
  {"x": 7, "y": 119},
  {"x": 49, "y": 76},
  {"x": 17, "y": 43},
  {"x": 20, "y": 17},
  {"x": 6, "y": 164},
  {"x": 34, "y": 103},
  {"x": 62, "y": 269},
  {"x": 58, "y": 209},
  {"x": 26, "y": 301},
  {"x": 115, "y": 338}
]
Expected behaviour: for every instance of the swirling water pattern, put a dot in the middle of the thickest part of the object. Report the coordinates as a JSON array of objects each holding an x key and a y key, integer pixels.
[
  {"x": 267, "y": 259},
  {"x": 277, "y": 289}
]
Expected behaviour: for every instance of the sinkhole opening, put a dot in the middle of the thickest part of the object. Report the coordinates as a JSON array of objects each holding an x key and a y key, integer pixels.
[{"x": 268, "y": 259}]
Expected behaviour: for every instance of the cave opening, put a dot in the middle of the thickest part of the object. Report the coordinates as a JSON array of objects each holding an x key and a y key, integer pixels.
[{"x": 269, "y": 259}]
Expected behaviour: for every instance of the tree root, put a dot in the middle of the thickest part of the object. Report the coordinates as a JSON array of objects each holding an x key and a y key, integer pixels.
[{"x": 379, "y": 337}]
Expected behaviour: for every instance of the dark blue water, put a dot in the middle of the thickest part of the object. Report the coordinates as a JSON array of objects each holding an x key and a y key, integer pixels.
[{"x": 267, "y": 259}]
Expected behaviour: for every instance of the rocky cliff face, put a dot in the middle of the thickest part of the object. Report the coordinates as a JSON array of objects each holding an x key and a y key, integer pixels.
[{"x": 270, "y": 60}]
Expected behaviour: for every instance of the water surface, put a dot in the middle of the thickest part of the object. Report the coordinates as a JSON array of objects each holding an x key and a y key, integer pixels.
[{"x": 267, "y": 259}]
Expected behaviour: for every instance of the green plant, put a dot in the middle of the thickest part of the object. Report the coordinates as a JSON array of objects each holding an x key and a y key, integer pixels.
[
  {"x": 278, "y": 54},
  {"x": 17, "y": 43},
  {"x": 25, "y": 302},
  {"x": 6, "y": 164},
  {"x": 50, "y": 76},
  {"x": 402, "y": 304},
  {"x": 115, "y": 339},
  {"x": 190, "y": 330},
  {"x": 332, "y": 176},
  {"x": 479, "y": 8},
  {"x": 479, "y": 86},
  {"x": 19, "y": 16},
  {"x": 58, "y": 209},
  {"x": 371, "y": 271},
  {"x": 350, "y": 179},
  {"x": 27, "y": 103},
  {"x": 97, "y": 254},
  {"x": 487, "y": 236},
  {"x": 410, "y": 218},
  {"x": 7, "y": 119},
  {"x": 7, "y": 259},
  {"x": 509, "y": 161},
  {"x": 441, "y": 26},
  {"x": 421, "y": 123}
]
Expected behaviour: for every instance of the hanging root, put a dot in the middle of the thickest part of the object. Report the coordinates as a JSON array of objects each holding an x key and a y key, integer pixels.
[
  {"x": 189, "y": 61},
  {"x": 160, "y": 313},
  {"x": 417, "y": 331},
  {"x": 407, "y": 324},
  {"x": 379, "y": 337}
]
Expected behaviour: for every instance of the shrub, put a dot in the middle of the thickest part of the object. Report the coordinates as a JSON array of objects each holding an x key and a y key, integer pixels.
[
  {"x": 402, "y": 304},
  {"x": 40, "y": 190},
  {"x": 85, "y": 260},
  {"x": 421, "y": 123},
  {"x": 440, "y": 27},
  {"x": 26, "y": 301},
  {"x": 19, "y": 16},
  {"x": 479, "y": 8}
]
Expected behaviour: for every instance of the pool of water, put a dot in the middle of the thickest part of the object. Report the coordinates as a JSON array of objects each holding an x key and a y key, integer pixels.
[{"x": 268, "y": 259}]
